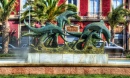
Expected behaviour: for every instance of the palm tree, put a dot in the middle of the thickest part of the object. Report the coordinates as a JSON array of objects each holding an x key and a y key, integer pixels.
[
  {"x": 47, "y": 10},
  {"x": 6, "y": 7},
  {"x": 116, "y": 17}
]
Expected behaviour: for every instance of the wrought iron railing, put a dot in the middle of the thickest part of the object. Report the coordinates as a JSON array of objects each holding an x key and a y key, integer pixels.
[
  {"x": 97, "y": 16},
  {"x": 94, "y": 15}
]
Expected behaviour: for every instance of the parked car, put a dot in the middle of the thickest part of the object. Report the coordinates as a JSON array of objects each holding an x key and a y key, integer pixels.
[
  {"x": 112, "y": 49},
  {"x": 11, "y": 48},
  {"x": 109, "y": 46},
  {"x": 24, "y": 46}
]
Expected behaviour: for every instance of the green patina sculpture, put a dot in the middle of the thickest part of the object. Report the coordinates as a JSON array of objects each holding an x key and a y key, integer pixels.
[
  {"x": 49, "y": 30},
  {"x": 49, "y": 33},
  {"x": 63, "y": 18},
  {"x": 85, "y": 36},
  {"x": 100, "y": 27},
  {"x": 92, "y": 30}
]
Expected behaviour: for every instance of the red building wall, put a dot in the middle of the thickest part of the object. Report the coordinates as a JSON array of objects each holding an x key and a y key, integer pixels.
[
  {"x": 13, "y": 22},
  {"x": 61, "y": 1},
  {"x": 14, "y": 27},
  {"x": 83, "y": 7},
  {"x": 106, "y": 7}
]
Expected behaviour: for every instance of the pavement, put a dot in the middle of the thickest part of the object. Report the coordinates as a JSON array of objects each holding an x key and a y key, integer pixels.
[
  {"x": 22, "y": 61},
  {"x": 118, "y": 61},
  {"x": 8, "y": 61}
]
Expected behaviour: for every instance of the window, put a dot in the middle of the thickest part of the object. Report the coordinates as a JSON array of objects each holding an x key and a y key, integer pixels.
[
  {"x": 94, "y": 7},
  {"x": 73, "y": 1},
  {"x": 116, "y": 3}
]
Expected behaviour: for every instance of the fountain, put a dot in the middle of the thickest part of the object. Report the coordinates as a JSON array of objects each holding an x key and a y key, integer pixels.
[
  {"x": 76, "y": 57},
  {"x": 82, "y": 51}
]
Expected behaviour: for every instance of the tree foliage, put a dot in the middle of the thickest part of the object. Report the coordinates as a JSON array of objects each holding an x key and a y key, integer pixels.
[
  {"x": 6, "y": 8},
  {"x": 47, "y": 10},
  {"x": 117, "y": 16}
]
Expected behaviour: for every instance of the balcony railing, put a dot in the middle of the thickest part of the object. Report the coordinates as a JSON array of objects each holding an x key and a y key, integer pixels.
[
  {"x": 93, "y": 16},
  {"x": 87, "y": 16}
]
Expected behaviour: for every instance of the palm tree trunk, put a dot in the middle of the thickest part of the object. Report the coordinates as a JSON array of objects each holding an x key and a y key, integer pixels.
[
  {"x": 5, "y": 36},
  {"x": 112, "y": 35}
]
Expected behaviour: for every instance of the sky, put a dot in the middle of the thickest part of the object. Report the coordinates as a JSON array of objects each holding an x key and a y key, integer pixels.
[{"x": 23, "y": 2}]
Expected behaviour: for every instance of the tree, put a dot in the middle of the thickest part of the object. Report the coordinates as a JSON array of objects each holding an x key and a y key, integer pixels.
[
  {"x": 47, "y": 10},
  {"x": 116, "y": 17},
  {"x": 6, "y": 8}
]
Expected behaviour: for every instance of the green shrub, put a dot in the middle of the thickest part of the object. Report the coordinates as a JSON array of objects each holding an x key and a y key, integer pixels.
[
  {"x": 7, "y": 55},
  {"x": 128, "y": 56},
  {"x": 64, "y": 76}
]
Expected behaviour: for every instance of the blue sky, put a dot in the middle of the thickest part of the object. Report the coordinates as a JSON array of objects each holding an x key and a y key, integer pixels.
[{"x": 23, "y": 2}]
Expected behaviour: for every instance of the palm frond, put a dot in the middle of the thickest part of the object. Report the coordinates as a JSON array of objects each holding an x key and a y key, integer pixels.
[
  {"x": 48, "y": 9},
  {"x": 6, "y": 7},
  {"x": 117, "y": 15}
]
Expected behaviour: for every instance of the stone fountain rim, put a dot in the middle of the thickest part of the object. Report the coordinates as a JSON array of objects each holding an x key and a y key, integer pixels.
[{"x": 63, "y": 65}]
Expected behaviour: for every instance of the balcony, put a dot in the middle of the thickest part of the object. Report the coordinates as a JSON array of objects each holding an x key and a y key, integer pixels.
[{"x": 91, "y": 16}]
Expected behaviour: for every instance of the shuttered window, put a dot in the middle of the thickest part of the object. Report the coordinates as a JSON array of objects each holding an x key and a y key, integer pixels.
[{"x": 94, "y": 7}]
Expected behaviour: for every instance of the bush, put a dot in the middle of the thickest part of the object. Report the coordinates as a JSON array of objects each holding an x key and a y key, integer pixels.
[{"x": 64, "y": 76}]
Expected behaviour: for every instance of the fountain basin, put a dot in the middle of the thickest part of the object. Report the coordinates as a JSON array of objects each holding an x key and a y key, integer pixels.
[{"x": 46, "y": 58}]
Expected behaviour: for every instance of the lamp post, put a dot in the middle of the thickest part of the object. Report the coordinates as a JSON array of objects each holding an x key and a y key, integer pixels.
[
  {"x": 29, "y": 24},
  {"x": 30, "y": 1},
  {"x": 19, "y": 34}
]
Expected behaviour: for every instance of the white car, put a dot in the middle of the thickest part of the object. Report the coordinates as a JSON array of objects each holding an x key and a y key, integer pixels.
[
  {"x": 111, "y": 49},
  {"x": 25, "y": 46},
  {"x": 109, "y": 46}
]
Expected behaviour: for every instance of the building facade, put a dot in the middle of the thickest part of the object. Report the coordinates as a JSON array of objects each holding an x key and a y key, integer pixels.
[{"x": 89, "y": 11}]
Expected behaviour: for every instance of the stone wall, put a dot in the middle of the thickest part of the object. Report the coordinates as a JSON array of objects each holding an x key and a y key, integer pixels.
[{"x": 64, "y": 70}]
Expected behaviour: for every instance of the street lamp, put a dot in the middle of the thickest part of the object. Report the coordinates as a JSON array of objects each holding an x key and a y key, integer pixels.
[
  {"x": 29, "y": 24},
  {"x": 29, "y": 1}
]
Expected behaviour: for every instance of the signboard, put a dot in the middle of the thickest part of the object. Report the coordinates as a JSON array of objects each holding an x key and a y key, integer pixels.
[{"x": 72, "y": 28}]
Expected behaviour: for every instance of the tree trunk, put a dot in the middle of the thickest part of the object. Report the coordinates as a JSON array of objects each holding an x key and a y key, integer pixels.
[
  {"x": 112, "y": 35},
  {"x": 5, "y": 36}
]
